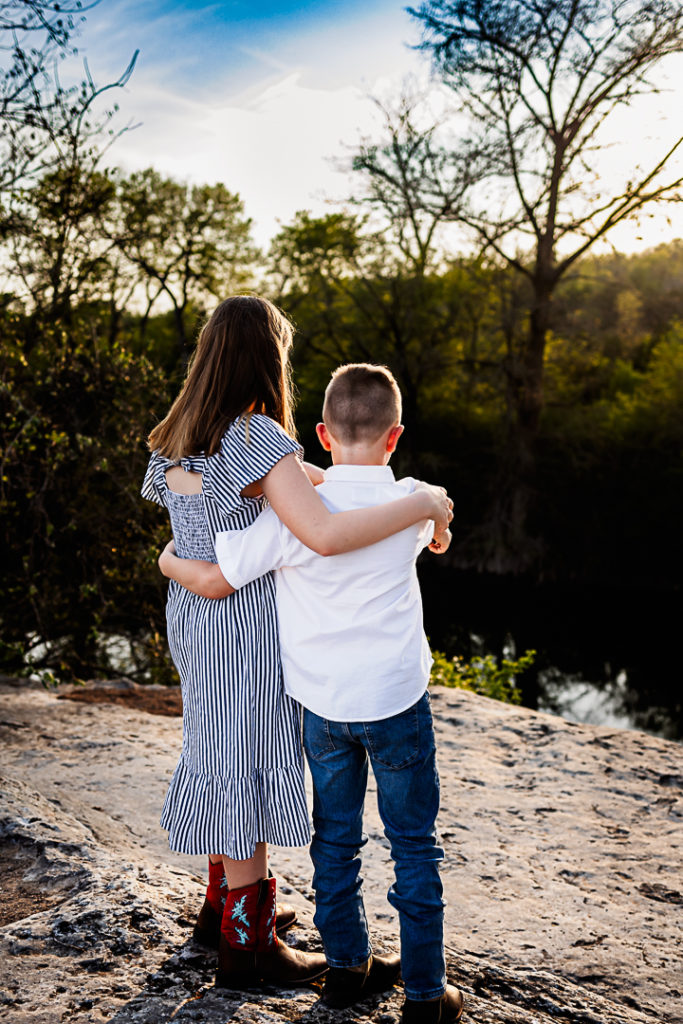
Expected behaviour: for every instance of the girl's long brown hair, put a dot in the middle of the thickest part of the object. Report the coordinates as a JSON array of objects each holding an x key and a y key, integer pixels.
[{"x": 240, "y": 366}]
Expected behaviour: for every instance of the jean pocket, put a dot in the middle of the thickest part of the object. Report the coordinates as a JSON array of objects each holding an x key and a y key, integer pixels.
[
  {"x": 395, "y": 742},
  {"x": 317, "y": 738}
]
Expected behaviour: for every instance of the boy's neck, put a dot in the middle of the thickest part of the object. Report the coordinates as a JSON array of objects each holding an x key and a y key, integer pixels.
[
  {"x": 360, "y": 454},
  {"x": 345, "y": 459}
]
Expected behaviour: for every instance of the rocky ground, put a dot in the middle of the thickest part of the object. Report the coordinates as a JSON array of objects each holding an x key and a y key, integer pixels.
[{"x": 563, "y": 871}]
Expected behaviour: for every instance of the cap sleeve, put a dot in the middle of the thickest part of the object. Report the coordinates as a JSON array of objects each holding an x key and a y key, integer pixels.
[
  {"x": 249, "y": 449},
  {"x": 154, "y": 485}
]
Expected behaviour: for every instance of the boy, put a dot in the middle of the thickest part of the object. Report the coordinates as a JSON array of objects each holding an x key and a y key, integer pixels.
[{"x": 354, "y": 654}]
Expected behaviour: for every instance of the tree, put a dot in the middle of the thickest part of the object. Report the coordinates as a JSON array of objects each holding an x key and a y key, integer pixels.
[
  {"x": 79, "y": 547},
  {"x": 538, "y": 80},
  {"x": 42, "y": 124},
  {"x": 52, "y": 142},
  {"x": 355, "y": 297},
  {"x": 415, "y": 186},
  {"x": 56, "y": 246},
  {"x": 418, "y": 188},
  {"x": 188, "y": 243}
]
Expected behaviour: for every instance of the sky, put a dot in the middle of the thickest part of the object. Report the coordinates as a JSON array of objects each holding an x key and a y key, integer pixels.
[
  {"x": 270, "y": 97},
  {"x": 267, "y": 97}
]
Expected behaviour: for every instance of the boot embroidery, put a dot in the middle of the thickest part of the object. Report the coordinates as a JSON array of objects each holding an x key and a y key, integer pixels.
[
  {"x": 269, "y": 926},
  {"x": 239, "y": 913},
  {"x": 241, "y": 936},
  {"x": 224, "y": 885}
]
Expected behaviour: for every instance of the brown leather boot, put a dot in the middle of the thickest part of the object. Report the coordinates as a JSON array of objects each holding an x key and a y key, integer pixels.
[
  {"x": 276, "y": 962},
  {"x": 345, "y": 986},
  {"x": 249, "y": 950},
  {"x": 445, "y": 1010}
]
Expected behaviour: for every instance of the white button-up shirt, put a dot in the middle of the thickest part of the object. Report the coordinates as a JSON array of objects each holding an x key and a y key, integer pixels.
[{"x": 351, "y": 634}]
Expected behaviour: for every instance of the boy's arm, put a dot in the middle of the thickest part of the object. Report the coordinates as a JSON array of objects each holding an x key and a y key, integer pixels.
[
  {"x": 440, "y": 542},
  {"x": 314, "y": 473},
  {"x": 244, "y": 555},
  {"x": 203, "y": 578}
]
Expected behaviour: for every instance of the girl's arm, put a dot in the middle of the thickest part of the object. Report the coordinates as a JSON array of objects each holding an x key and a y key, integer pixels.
[
  {"x": 293, "y": 497},
  {"x": 203, "y": 578}
]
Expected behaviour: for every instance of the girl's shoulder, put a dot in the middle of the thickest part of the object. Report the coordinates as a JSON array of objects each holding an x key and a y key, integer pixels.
[
  {"x": 255, "y": 434},
  {"x": 250, "y": 447}
]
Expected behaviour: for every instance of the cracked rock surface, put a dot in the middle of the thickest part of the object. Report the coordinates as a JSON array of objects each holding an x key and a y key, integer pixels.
[{"x": 562, "y": 873}]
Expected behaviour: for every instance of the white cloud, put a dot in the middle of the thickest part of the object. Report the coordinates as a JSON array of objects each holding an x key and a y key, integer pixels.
[
  {"x": 275, "y": 124},
  {"x": 277, "y": 134},
  {"x": 275, "y": 150}
]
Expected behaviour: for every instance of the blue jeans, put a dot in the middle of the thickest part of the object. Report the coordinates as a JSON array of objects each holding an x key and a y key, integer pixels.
[{"x": 402, "y": 753}]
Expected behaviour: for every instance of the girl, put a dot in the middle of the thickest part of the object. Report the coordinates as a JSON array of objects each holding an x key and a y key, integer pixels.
[{"x": 226, "y": 443}]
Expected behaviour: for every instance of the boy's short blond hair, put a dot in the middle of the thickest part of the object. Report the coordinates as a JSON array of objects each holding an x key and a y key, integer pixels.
[{"x": 362, "y": 401}]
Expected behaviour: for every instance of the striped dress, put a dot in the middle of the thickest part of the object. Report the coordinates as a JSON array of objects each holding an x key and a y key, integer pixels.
[{"x": 239, "y": 780}]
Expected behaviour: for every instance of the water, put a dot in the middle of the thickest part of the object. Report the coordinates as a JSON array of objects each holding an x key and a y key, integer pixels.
[{"x": 606, "y": 656}]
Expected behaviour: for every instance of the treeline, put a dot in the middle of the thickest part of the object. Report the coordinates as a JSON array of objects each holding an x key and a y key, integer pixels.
[
  {"x": 544, "y": 390},
  {"x": 89, "y": 366}
]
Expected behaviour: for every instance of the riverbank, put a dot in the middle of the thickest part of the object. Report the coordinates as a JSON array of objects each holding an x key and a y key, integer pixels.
[{"x": 562, "y": 872}]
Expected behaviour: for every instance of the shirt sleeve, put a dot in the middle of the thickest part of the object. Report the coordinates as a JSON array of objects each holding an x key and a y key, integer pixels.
[
  {"x": 425, "y": 529},
  {"x": 244, "y": 555},
  {"x": 250, "y": 447},
  {"x": 426, "y": 535}
]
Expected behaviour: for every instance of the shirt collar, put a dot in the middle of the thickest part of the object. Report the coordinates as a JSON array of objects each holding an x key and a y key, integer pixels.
[{"x": 361, "y": 474}]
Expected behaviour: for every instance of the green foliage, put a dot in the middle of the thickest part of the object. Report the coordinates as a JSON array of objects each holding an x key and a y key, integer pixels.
[
  {"x": 80, "y": 546},
  {"x": 92, "y": 354},
  {"x": 354, "y": 297},
  {"x": 189, "y": 244},
  {"x": 482, "y": 674}
]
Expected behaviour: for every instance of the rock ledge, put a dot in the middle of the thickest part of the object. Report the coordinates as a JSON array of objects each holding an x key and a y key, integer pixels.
[{"x": 563, "y": 847}]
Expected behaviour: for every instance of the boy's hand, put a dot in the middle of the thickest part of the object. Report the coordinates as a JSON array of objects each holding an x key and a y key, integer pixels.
[
  {"x": 163, "y": 560},
  {"x": 203, "y": 578},
  {"x": 440, "y": 542},
  {"x": 314, "y": 473}
]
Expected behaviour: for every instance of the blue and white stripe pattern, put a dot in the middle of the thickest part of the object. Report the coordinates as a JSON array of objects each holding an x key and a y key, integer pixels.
[{"x": 239, "y": 780}]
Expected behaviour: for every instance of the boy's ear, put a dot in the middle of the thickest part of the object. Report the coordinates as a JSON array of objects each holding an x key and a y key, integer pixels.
[
  {"x": 393, "y": 436},
  {"x": 323, "y": 436}
]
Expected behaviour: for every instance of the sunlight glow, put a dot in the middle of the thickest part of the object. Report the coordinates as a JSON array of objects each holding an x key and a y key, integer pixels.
[{"x": 273, "y": 109}]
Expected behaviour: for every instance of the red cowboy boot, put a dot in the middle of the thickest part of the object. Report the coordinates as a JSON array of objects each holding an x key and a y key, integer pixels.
[
  {"x": 249, "y": 949},
  {"x": 207, "y": 930},
  {"x": 238, "y": 939}
]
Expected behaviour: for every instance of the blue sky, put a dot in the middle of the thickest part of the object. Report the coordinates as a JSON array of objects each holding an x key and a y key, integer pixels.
[
  {"x": 263, "y": 96},
  {"x": 270, "y": 97},
  {"x": 197, "y": 44}
]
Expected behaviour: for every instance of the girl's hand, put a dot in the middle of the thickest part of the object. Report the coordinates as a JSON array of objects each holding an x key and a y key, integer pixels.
[
  {"x": 440, "y": 542},
  {"x": 296, "y": 504},
  {"x": 442, "y": 506}
]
